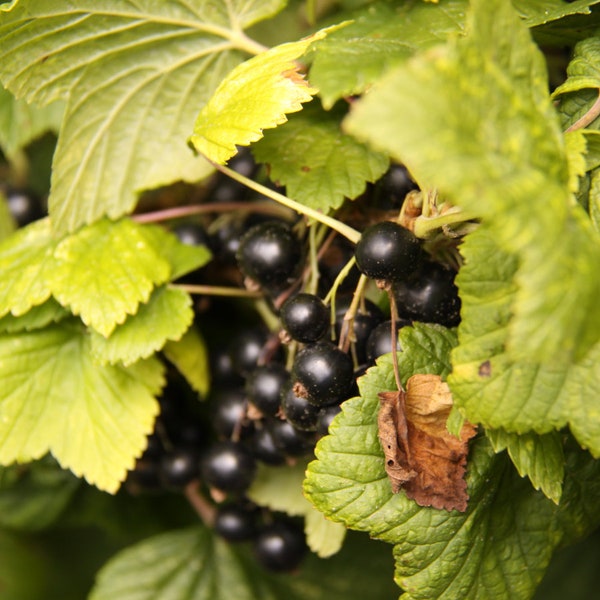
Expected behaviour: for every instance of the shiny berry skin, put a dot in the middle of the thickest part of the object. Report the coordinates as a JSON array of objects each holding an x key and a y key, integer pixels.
[
  {"x": 299, "y": 411},
  {"x": 228, "y": 411},
  {"x": 24, "y": 206},
  {"x": 263, "y": 447},
  {"x": 430, "y": 295},
  {"x": 235, "y": 523},
  {"x": 388, "y": 251},
  {"x": 305, "y": 317},
  {"x": 191, "y": 234},
  {"x": 229, "y": 467},
  {"x": 325, "y": 372},
  {"x": 289, "y": 440},
  {"x": 280, "y": 546},
  {"x": 270, "y": 254},
  {"x": 178, "y": 468},
  {"x": 380, "y": 339},
  {"x": 264, "y": 387},
  {"x": 246, "y": 349},
  {"x": 326, "y": 416}
]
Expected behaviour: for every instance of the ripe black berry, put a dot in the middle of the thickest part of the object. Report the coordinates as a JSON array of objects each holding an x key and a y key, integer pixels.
[
  {"x": 270, "y": 254},
  {"x": 229, "y": 467},
  {"x": 430, "y": 295},
  {"x": 380, "y": 340},
  {"x": 280, "y": 546},
  {"x": 326, "y": 416},
  {"x": 229, "y": 411},
  {"x": 298, "y": 410},
  {"x": 246, "y": 349},
  {"x": 263, "y": 446},
  {"x": 235, "y": 523},
  {"x": 305, "y": 317},
  {"x": 325, "y": 373},
  {"x": 388, "y": 251},
  {"x": 178, "y": 468},
  {"x": 24, "y": 206},
  {"x": 288, "y": 439},
  {"x": 191, "y": 234},
  {"x": 264, "y": 387}
]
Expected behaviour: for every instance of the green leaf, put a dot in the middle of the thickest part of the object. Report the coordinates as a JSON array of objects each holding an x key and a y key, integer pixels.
[
  {"x": 256, "y": 95},
  {"x": 134, "y": 76},
  {"x": 193, "y": 564},
  {"x": 190, "y": 357},
  {"x": 21, "y": 123},
  {"x": 539, "y": 457},
  {"x": 516, "y": 395},
  {"x": 183, "y": 258},
  {"x": 32, "y": 497},
  {"x": 507, "y": 166},
  {"x": 166, "y": 316},
  {"x": 280, "y": 489},
  {"x": 25, "y": 262},
  {"x": 349, "y": 61},
  {"x": 54, "y": 397},
  {"x": 35, "y": 318},
  {"x": 104, "y": 271},
  {"x": 539, "y": 12},
  {"x": 319, "y": 165},
  {"x": 498, "y": 548}
]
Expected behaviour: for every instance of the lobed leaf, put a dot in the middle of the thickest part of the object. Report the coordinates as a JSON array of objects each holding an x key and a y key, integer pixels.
[
  {"x": 347, "y": 62},
  {"x": 104, "y": 271},
  {"x": 540, "y": 12},
  {"x": 190, "y": 356},
  {"x": 193, "y": 564},
  {"x": 508, "y": 166},
  {"x": 166, "y": 316},
  {"x": 36, "y": 317},
  {"x": 319, "y": 165},
  {"x": 133, "y": 75},
  {"x": 492, "y": 388},
  {"x": 539, "y": 457},
  {"x": 55, "y": 398},
  {"x": 26, "y": 261},
  {"x": 256, "y": 95},
  {"x": 21, "y": 123}
]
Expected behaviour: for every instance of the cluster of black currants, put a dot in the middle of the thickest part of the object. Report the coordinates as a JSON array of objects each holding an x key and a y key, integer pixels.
[{"x": 275, "y": 392}]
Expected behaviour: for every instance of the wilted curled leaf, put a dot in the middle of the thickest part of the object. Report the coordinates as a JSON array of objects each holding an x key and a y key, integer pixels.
[{"x": 422, "y": 457}]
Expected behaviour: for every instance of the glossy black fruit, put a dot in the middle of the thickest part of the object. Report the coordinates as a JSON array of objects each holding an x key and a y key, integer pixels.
[
  {"x": 228, "y": 411},
  {"x": 270, "y": 254},
  {"x": 380, "y": 339},
  {"x": 246, "y": 349},
  {"x": 388, "y": 251},
  {"x": 263, "y": 446},
  {"x": 289, "y": 440},
  {"x": 305, "y": 317},
  {"x": 280, "y": 546},
  {"x": 191, "y": 234},
  {"x": 389, "y": 192},
  {"x": 325, "y": 373},
  {"x": 24, "y": 206},
  {"x": 430, "y": 295},
  {"x": 178, "y": 468},
  {"x": 235, "y": 523},
  {"x": 298, "y": 410},
  {"x": 326, "y": 416},
  {"x": 229, "y": 467},
  {"x": 264, "y": 387}
]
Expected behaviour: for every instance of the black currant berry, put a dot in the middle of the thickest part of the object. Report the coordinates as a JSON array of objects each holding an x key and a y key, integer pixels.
[
  {"x": 229, "y": 467},
  {"x": 388, "y": 251},
  {"x": 246, "y": 349},
  {"x": 145, "y": 475},
  {"x": 264, "y": 387},
  {"x": 235, "y": 523},
  {"x": 270, "y": 254},
  {"x": 24, "y": 206},
  {"x": 298, "y": 410},
  {"x": 191, "y": 234},
  {"x": 389, "y": 192},
  {"x": 430, "y": 295},
  {"x": 291, "y": 441},
  {"x": 380, "y": 339},
  {"x": 326, "y": 416},
  {"x": 229, "y": 411},
  {"x": 263, "y": 446},
  {"x": 280, "y": 546},
  {"x": 305, "y": 317},
  {"x": 178, "y": 468},
  {"x": 325, "y": 373}
]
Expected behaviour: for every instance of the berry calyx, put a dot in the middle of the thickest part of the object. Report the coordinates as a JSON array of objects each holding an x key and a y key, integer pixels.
[{"x": 388, "y": 251}]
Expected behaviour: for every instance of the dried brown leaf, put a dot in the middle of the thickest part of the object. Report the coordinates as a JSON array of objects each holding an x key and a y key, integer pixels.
[{"x": 422, "y": 457}]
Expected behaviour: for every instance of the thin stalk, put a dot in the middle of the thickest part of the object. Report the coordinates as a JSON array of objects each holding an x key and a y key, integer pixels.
[
  {"x": 348, "y": 232},
  {"x": 203, "y": 508},
  {"x": 423, "y": 226},
  {"x": 215, "y": 290},
  {"x": 393, "y": 318},
  {"x": 591, "y": 115}
]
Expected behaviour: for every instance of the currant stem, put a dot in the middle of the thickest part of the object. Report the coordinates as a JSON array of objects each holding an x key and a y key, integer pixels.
[
  {"x": 423, "y": 226},
  {"x": 203, "y": 508},
  {"x": 214, "y": 290},
  {"x": 394, "y": 334},
  {"x": 591, "y": 115},
  {"x": 345, "y": 338},
  {"x": 348, "y": 232},
  {"x": 177, "y": 212}
]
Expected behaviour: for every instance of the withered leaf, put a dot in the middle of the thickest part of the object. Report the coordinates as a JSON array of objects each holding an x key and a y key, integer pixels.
[{"x": 422, "y": 457}]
